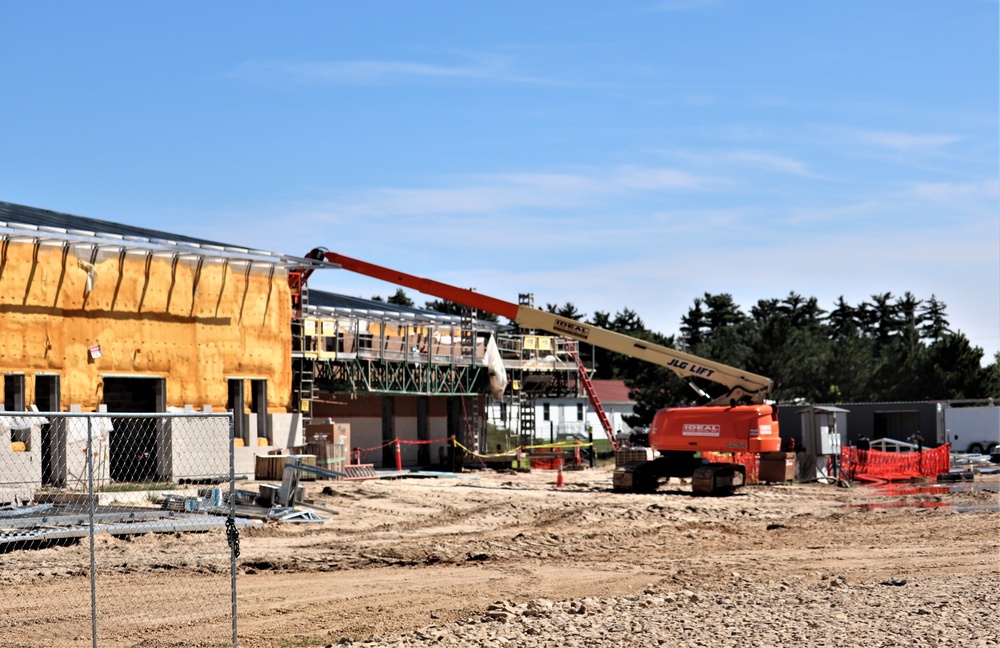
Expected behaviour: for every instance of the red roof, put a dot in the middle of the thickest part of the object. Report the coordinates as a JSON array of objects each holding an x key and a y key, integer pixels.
[{"x": 612, "y": 391}]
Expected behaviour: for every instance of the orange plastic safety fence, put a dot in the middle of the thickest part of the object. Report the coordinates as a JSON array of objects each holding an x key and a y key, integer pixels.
[
  {"x": 858, "y": 464},
  {"x": 861, "y": 464}
]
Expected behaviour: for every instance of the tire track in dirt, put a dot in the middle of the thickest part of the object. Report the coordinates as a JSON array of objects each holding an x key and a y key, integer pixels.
[{"x": 403, "y": 555}]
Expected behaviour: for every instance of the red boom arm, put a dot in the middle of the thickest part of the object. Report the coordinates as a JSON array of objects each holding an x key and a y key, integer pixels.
[{"x": 427, "y": 286}]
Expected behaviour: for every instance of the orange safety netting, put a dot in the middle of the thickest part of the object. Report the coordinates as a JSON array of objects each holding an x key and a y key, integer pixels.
[
  {"x": 876, "y": 465},
  {"x": 862, "y": 465}
]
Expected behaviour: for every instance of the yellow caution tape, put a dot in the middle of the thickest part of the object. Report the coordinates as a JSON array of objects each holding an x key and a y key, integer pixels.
[{"x": 561, "y": 444}]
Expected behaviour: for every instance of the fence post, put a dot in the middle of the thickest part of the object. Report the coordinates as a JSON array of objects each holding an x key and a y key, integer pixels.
[
  {"x": 233, "y": 546},
  {"x": 90, "y": 521}
]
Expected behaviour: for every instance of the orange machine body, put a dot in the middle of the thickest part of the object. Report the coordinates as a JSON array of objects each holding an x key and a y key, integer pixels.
[{"x": 744, "y": 428}]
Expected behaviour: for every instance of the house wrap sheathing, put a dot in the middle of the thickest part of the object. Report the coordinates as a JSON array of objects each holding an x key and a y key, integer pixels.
[{"x": 84, "y": 305}]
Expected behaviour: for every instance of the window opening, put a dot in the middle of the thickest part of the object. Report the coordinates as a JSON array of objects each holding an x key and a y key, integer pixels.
[
  {"x": 133, "y": 442},
  {"x": 258, "y": 406},
  {"x": 235, "y": 403},
  {"x": 13, "y": 392},
  {"x": 47, "y": 399}
]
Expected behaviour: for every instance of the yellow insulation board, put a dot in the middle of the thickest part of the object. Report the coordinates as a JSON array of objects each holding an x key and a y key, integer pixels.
[{"x": 156, "y": 315}]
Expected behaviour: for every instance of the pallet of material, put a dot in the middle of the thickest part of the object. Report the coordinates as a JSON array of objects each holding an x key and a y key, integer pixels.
[
  {"x": 328, "y": 455},
  {"x": 272, "y": 467},
  {"x": 625, "y": 455},
  {"x": 358, "y": 472},
  {"x": 776, "y": 467}
]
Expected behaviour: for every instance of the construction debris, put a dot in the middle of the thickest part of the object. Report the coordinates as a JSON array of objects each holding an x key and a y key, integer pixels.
[{"x": 52, "y": 524}]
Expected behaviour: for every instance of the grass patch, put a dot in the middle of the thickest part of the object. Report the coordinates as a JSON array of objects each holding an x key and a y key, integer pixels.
[{"x": 130, "y": 487}]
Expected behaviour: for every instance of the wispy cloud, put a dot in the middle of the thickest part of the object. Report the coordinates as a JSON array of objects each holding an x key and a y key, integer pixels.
[
  {"x": 372, "y": 72},
  {"x": 656, "y": 179},
  {"x": 921, "y": 205},
  {"x": 759, "y": 160},
  {"x": 904, "y": 142},
  {"x": 493, "y": 194},
  {"x": 955, "y": 191},
  {"x": 770, "y": 162},
  {"x": 849, "y": 216}
]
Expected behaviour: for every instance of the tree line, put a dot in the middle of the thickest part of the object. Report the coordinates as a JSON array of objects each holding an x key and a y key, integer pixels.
[
  {"x": 883, "y": 349},
  {"x": 887, "y": 348},
  {"x": 400, "y": 298}
]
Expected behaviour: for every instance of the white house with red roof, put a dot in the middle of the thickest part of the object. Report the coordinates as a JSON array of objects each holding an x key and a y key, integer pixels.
[{"x": 558, "y": 418}]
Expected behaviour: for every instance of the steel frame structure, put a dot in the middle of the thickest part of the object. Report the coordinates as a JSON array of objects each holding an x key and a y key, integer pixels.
[{"x": 389, "y": 377}]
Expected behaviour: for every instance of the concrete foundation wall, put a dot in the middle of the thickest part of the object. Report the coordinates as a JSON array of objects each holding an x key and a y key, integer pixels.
[
  {"x": 68, "y": 452},
  {"x": 286, "y": 432},
  {"x": 365, "y": 433},
  {"x": 363, "y": 413},
  {"x": 20, "y": 472},
  {"x": 194, "y": 448}
]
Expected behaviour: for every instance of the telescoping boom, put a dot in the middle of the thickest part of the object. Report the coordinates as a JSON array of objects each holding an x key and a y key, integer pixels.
[
  {"x": 738, "y": 421},
  {"x": 744, "y": 387}
]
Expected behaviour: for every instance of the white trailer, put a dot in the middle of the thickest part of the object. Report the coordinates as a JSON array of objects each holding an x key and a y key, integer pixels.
[{"x": 972, "y": 427}]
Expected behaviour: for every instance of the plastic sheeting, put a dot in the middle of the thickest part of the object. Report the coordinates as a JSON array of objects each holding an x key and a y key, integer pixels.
[{"x": 494, "y": 362}]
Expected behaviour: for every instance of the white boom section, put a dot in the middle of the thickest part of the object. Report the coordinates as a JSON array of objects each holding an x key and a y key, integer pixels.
[{"x": 741, "y": 384}]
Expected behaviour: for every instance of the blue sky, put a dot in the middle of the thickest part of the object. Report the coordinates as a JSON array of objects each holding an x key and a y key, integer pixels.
[{"x": 611, "y": 154}]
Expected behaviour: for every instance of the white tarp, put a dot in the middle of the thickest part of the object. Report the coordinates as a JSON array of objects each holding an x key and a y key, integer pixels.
[
  {"x": 99, "y": 427},
  {"x": 498, "y": 375},
  {"x": 8, "y": 423}
]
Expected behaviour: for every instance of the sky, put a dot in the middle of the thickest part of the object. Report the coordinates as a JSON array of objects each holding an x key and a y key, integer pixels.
[{"x": 628, "y": 154}]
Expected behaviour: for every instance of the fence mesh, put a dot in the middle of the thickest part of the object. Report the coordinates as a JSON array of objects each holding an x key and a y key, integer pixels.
[{"x": 113, "y": 530}]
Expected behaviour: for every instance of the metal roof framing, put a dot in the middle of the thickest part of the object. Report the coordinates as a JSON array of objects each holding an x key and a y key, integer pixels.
[
  {"x": 321, "y": 303},
  {"x": 420, "y": 319},
  {"x": 30, "y": 224}
]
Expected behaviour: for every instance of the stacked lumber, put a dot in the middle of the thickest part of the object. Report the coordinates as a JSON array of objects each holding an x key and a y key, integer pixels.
[{"x": 272, "y": 467}]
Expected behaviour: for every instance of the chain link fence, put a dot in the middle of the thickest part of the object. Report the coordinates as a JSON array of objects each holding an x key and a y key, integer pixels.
[{"x": 117, "y": 530}]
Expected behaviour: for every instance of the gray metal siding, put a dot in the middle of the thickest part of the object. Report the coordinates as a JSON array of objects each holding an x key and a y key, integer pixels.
[{"x": 872, "y": 420}]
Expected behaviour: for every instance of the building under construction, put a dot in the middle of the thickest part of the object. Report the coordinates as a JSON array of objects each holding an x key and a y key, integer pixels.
[{"x": 101, "y": 316}]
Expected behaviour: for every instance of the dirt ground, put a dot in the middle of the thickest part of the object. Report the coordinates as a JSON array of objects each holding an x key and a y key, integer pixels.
[{"x": 471, "y": 560}]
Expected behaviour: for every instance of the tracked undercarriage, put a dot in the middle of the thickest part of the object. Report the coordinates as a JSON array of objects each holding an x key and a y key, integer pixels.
[{"x": 713, "y": 479}]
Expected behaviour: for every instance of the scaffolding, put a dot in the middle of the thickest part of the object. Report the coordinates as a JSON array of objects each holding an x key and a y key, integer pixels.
[
  {"x": 343, "y": 345},
  {"x": 352, "y": 350}
]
